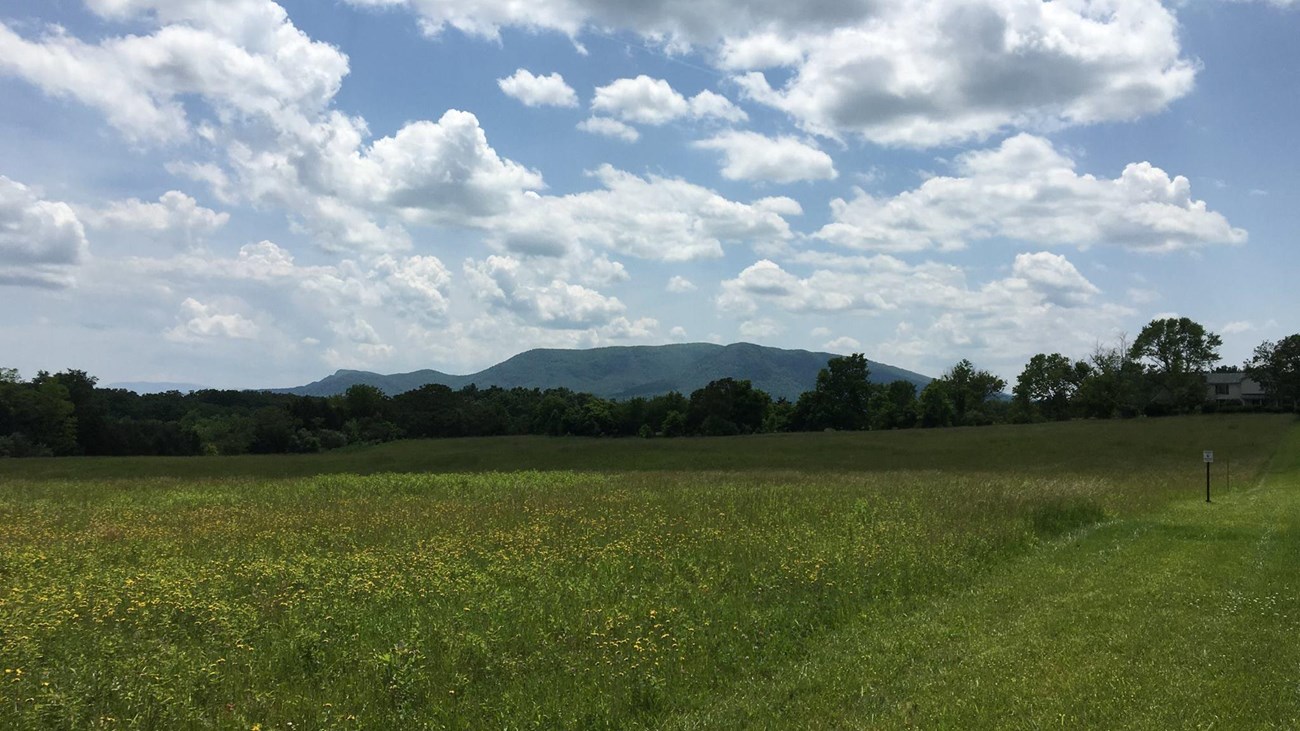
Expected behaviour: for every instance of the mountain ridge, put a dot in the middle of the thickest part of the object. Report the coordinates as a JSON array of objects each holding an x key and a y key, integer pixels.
[{"x": 623, "y": 372}]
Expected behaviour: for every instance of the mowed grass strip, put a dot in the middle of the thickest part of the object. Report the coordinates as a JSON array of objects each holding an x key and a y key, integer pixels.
[
  {"x": 1182, "y": 618},
  {"x": 561, "y": 599}
]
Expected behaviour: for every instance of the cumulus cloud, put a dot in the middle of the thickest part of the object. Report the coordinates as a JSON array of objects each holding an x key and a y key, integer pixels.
[
  {"x": 710, "y": 105},
  {"x": 642, "y": 100},
  {"x": 243, "y": 59},
  {"x": 645, "y": 100},
  {"x": 200, "y": 322},
  {"x": 539, "y": 91},
  {"x": 447, "y": 170},
  {"x": 824, "y": 292},
  {"x": 607, "y": 127},
  {"x": 1026, "y": 190},
  {"x": 41, "y": 241},
  {"x": 176, "y": 218},
  {"x": 752, "y": 156},
  {"x": 1045, "y": 299},
  {"x": 893, "y": 71},
  {"x": 415, "y": 289},
  {"x": 764, "y": 327},
  {"x": 679, "y": 285},
  {"x": 843, "y": 344},
  {"x": 949, "y": 71},
  {"x": 665, "y": 219},
  {"x": 503, "y": 282}
]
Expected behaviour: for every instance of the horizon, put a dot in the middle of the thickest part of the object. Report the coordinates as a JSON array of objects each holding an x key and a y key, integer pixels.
[{"x": 268, "y": 191}]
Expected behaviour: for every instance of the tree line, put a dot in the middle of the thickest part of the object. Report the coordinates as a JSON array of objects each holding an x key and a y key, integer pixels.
[{"x": 1161, "y": 372}]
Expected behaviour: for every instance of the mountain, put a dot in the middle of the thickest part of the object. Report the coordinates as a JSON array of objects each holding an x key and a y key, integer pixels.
[{"x": 625, "y": 372}]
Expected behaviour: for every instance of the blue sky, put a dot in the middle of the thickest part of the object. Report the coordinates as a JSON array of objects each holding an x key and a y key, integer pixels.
[{"x": 247, "y": 193}]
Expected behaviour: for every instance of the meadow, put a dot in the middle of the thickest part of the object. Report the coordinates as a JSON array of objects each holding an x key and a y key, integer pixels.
[{"x": 1050, "y": 575}]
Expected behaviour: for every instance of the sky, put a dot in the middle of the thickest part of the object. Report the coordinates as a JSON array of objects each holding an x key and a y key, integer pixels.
[{"x": 244, "y": 193}]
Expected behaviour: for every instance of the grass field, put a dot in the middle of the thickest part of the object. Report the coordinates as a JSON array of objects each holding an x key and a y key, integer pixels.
[{"x": 1059, "y": 575}]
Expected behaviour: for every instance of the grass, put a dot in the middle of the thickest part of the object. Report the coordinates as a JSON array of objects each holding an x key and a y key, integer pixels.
[
  {"x": 1065, "y": 574},
  {"x": 1106, "y": 447}
]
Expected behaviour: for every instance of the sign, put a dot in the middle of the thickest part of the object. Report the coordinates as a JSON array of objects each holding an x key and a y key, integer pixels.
[{"x": 1209, "y": 456}]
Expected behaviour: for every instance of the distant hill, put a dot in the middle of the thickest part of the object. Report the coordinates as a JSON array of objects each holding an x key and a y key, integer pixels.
[
  {"x": 147, "y": 387},
  {"x": 625, "y": 372}
]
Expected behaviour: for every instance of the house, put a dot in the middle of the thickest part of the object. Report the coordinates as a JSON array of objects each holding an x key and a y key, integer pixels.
[{"x": 1233, "y": 387}]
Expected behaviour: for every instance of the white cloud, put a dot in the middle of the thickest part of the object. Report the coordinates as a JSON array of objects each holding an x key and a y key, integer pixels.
[
  {"x": 244, "y": 59},
  {"x": 665, "y": 219},
  {"x": 1237, "y": 327},
  {"x": 1026, "y": 190},
  {"x": 356, "y": 330},
  {"x": 764, "y": 327},
  {"x": 200, "y": 322},
  {"x": 1044, "y": 300},
  {"x": 893, "y": 71},
  {"x": 752, "y": 156},
  {"x": 1053, "y": 276},
  {"x": 952, "y": 70},
  {"x": 642, "y": 100},
  {"x": 176, "y": 218},
  {"x": 825, "y": 291},
  {"x": 41, "y": 241},
  {"x": 447, "y": 170},
  {"x": 843, "y": 344},
  {"x": 539, "y": 91},
  {"x": 416, "y": 287},
  {"x": 708, "y": 104},
  {"x": 505, "y": 283},
  {"x": 607, "y": 127},
  {"x": 679, "y": 284},
  {"x": 645, "y": 100}
]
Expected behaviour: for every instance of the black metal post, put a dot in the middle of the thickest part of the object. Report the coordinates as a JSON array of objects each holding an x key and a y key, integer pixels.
[{"x": 1207, "y": 482}]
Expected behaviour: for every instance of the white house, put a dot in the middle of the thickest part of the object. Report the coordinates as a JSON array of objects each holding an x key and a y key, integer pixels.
[{"x": 1234, "y": 388}]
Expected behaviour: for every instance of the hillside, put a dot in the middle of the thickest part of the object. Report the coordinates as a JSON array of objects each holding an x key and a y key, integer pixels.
[{"x": 625, "y": 372}]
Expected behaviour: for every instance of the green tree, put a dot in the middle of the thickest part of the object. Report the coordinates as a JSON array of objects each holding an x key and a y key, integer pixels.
[
  {"x": 894, "y": 406},
  {"x": 935, "y": 404},
  {"x": 364, "y": 401},
  {"x": 727, "y": 406},
  {"x": 674, "y": 424},
  {"x": 969, "y": 389},
  {"x": 1045, "y": 388},
  {"x": 1177, "y": 352},
  {"x": 841, "y": 399},
  {"x": 1112, "y": 384},
  {"x": 1276, "y": 367}
]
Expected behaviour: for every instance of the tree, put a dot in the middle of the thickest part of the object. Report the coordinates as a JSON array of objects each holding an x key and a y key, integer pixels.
[
  {"x": 1046, "y": 387},
  {"x": 1276, "y": 366},
  {"x": 1177, "y": 352},
  {"x": 894, "y": 406},
  {"x": 362, "y": 401},
  {"x": 841, "y": 398},
  {"x": 727, "y": 406},
  {"x": 1111, "y": 385},
  {"x": 935, "y": 404},
  {"x": 968, "y": 390}
]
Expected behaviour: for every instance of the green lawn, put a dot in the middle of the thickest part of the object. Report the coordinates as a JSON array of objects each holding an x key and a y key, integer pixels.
[{"x": 1063, "y": 575}]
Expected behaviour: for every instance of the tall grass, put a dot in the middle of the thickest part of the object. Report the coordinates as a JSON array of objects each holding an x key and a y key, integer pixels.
[{"x": 526, "y": 599}]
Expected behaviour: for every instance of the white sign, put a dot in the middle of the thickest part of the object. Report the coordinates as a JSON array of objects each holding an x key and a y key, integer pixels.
[{"x": 1209, "y": 456}]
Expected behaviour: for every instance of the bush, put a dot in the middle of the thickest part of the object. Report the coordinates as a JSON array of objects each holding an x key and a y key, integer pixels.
[{"x": 18, "y": 445}]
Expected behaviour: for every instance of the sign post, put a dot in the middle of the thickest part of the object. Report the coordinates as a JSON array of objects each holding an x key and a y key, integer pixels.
[{"x": 1208, "y": 456}]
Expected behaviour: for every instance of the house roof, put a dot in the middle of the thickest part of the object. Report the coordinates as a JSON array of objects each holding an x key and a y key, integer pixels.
[{"x": 1221, "y": 378}]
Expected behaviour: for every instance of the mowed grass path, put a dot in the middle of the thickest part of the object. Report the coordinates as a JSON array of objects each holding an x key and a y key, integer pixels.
[
  {"x": 1187, "y": 617},
  {"x": 1061, "y": 575}
]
